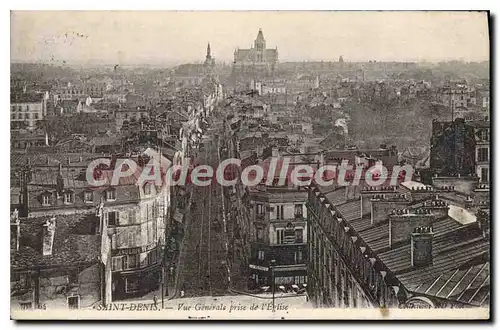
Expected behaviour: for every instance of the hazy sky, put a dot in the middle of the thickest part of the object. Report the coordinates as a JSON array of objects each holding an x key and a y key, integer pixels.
[{"x": 133, "y": 37}]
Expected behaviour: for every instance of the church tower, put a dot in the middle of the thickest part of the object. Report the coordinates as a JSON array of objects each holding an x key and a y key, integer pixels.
[
  {"x": 260, "y": 47},
  {"x": 209, "y": 61},
  {"x": 260, "y": 42}
]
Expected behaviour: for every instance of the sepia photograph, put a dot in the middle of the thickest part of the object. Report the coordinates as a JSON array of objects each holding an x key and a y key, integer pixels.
[{"x": 250, "y": 165}]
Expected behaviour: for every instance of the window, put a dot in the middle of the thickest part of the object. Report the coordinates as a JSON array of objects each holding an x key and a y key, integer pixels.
[
  {"x": 261, "y": 255},
  {"x": 111, "y": 195},
  {"x": 280, "y": 212},
  {"x": 125, "y": 264},
  {"x": 147, "y": 189},
  {"x": 88, "y": 196},
  {"x": 13, "y": 116},
  {"x": 151, "y": 258},
  {"x": 280, "y": 236},
  {"x": 131, "y": 239},
  {"x": 132, "y": 261},
  {"x": 36, "y": 115},
  {"x": 46, "y": 200},
  {"x": 298, "y": 211},
  {"x": 73, "y": 302},
  {"x": 260, "y": 209},
  {"x": 289, "y": 235},
  {"x": 484, "y": 175},
  {"x": 260, "y": 234},
  {"x": 112, "y": 218},
  {"x": 482, "y": 155},
  {"x": 68, "y": 197},
  {"x": 298, "y": 256},
  {"x": 117, "y": 263},
  {"x": 300, "y": 279},
  {"x": 131, "y": 285},
  {"x": 299, "y": 235}
]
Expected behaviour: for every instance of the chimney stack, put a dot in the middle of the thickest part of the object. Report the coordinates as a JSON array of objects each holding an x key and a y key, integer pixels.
[
  {"x": 383, "y": 204},
  {"x": 483, "y": 222},
  {"x": 403, "y": 222},
  {"x": 48, "y": 233},
  {"x": 421, "y": 193},
  {"x": 15, "y": 229},
  {"x": 421, "y": 246},
  {"x": 367, "y": 193},
  {"x": 437, "y": 207}
]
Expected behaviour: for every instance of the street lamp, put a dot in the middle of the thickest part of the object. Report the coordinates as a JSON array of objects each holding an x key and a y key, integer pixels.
[{"x": 272, "y": 263}]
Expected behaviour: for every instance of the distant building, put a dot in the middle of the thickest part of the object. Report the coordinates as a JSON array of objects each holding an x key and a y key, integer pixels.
[
  {"x": 461, "y": 147},
  {"x": 25, "y": 139},
  {"x": 191, "y": 75},
  {"x": 209, "y": 61},
  {"x": 27, "y": 109},
  {"x": 71, "y": 91},
  {"x": 257, "y": 59},
  {"x": 303, "y": 83}
]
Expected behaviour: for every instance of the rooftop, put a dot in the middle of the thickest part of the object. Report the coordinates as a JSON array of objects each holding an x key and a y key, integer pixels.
[
  {"x": 26, "y": 97},
  {"x": 460, "y": 267},
  {"x": 74, "y": 242}
]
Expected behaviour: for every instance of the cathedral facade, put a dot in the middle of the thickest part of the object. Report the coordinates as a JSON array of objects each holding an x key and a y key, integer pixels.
[{"x": 257, "y": 59}]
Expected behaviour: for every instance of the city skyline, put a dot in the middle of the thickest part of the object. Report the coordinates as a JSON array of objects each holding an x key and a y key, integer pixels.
[{"x": 84, "y": 37}]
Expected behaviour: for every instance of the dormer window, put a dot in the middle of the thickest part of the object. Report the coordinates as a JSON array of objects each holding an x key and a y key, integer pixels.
[
  {"x": 68, "y": 197},
  {"x": 88, "y": 196},
  {"x": 110, "y": 195},
  {"x": 46, "y": 199},
  {"x": 149, "y": 189}
]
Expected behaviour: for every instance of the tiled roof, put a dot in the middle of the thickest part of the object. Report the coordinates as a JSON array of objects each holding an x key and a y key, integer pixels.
[
  {"x": 459, "y": 269},
  {"x": 350, "y": 210},
  {"x": 466, "y": 284},
  {"x": 337, "y": 196},
  {"x": 73, "y": 242}
]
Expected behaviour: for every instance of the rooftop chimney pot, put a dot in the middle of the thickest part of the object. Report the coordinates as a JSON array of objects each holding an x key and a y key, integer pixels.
[{"x": 48, "y": 233}]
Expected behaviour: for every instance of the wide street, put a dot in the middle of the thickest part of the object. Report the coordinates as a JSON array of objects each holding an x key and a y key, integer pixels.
[{"x": 202, "y": 267}]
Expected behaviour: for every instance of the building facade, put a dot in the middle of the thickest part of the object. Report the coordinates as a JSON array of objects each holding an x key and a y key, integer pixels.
[
  {"x": 279, "y": 242},
  {"x": 461, "y": 148},
  {"x": 26, "y": 110},
  {"x": 135, "y": 213}
]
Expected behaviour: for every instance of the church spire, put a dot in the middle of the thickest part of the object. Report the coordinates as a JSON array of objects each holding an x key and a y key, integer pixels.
[
  {"x": 260, "y": 35},
  {"x": 208, "y": 59},
  {"x": 260, "y": 42}
]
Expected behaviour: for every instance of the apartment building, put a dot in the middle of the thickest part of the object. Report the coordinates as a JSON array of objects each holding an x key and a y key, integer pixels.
[
  {"x": 411, "y": 246},
  {"x": 27, "y": 109},
  {"x": 135, "y": 215}
]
